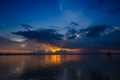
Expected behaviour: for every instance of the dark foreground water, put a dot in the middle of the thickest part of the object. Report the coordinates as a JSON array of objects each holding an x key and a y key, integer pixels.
[{"x": 59, "y": 67}]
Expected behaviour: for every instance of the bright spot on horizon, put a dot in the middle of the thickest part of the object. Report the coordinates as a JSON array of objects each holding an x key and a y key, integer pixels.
[{"x": 55, "y": 50}]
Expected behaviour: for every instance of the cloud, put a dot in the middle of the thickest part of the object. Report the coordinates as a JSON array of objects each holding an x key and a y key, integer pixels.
[
  {"x": 74, "y": 23},
  {"x": 71, "y": 33},
  {"x": 71, "y": 37},
  {"x": 50, "y": 36},
  {"x": 95, "y": 30},
  {"x": 7, "y": 44},
  {"x": 27, "y": 27},
  {"x": 111, "y": 41},
  {"x": 92, "y": 39},
  {"x": 4, "y": 41},
  {"x": 95, "y": 39}
]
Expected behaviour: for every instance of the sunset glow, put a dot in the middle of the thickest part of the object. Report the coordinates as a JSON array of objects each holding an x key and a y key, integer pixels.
[
  {"x": 15, "y": 51},
  {"x": 60, "y": 40},
  {"x": 55, "y": 50}
]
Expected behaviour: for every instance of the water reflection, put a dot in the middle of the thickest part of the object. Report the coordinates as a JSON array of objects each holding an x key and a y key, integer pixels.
[{"x": 59, "y": 67}]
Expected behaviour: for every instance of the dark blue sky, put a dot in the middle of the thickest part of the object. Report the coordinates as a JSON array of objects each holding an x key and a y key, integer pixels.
[
  {"x": 93, "y": 25},
  {"x": 34, "y": 12},
  {"x": 58, "y": 13}
]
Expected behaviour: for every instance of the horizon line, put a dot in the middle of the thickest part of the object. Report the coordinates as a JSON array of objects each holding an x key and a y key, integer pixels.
[{"x": 60, "y": 54}]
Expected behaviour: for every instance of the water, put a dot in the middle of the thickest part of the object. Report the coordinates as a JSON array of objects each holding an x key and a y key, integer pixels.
[{"x": 59, "y": 67}]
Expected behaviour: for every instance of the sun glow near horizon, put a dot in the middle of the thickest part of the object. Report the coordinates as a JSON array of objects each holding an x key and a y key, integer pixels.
[
  {"x": 45, "y": 48},
  {"x": 56, "y": 50}
]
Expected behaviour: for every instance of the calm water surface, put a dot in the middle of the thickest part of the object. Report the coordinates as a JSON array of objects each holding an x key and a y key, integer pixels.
[{"x": 59, "y": 67}]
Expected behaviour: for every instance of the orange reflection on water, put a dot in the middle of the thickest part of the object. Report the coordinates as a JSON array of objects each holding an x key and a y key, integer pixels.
[
  {"x": 17, "y": 64},
  {"x": 50, "y": 60},
  {"x": 56, "y": 59}
]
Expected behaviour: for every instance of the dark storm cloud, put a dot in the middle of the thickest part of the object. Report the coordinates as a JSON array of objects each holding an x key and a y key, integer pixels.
[
  {"x": 95, "y": 30},
  {"x": 109, "y": 40},
  {"x": 41, "y": 35},
  {"x": 72, "y": 31},
  {"x": 108, "y": 37},
  {"x": 71, "y": 37}
]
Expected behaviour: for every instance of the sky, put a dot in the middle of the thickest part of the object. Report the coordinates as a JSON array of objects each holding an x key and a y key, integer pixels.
[{"x": 79, "y": 25}]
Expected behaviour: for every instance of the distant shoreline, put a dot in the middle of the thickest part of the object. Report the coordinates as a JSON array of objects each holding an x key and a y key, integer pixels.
[{"x": 57, "y": 54}]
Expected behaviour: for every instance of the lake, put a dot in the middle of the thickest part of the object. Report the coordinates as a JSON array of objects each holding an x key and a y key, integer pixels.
[{"x": 59, "y": 67}]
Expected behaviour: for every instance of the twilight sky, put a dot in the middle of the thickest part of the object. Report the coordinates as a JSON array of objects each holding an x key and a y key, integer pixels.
[{"x": 87, "y": 25}]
